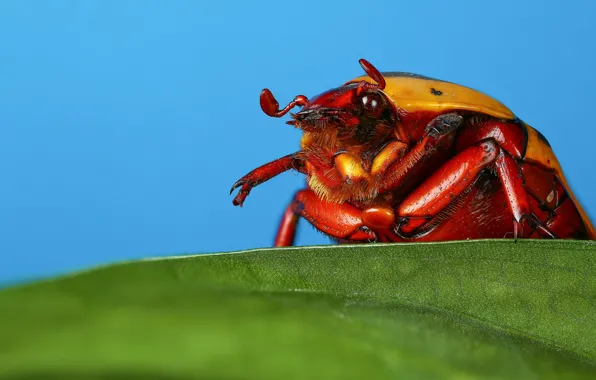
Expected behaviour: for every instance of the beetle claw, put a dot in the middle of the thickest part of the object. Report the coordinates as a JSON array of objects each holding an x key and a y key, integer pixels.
[
  {"x": 237, "y": 185},
  {"x": 245, "y": 187},
  {"x": 537, "y": 225}
]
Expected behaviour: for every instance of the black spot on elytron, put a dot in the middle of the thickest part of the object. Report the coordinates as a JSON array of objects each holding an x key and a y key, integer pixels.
[
  {"x": 435, "y": 91},
  {"x": 542, "y": 138}
]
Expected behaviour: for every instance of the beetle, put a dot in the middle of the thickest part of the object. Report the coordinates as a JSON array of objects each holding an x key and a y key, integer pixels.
[{"x": 401, "y": 157}]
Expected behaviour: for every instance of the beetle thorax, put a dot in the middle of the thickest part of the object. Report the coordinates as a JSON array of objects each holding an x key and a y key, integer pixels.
[{"x": 341, "y": 170}]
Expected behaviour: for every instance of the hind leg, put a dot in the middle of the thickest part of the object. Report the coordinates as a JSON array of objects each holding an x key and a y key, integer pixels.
[{"x": 564, "y": 222}]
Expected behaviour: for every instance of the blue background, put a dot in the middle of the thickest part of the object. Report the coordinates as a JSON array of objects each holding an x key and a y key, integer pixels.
[{"x": 123, "y": 124}]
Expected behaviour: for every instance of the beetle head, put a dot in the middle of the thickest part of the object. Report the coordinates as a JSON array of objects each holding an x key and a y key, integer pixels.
[
  {"x": 353, "y": 112},
  {"x": 350, "y": 123}
]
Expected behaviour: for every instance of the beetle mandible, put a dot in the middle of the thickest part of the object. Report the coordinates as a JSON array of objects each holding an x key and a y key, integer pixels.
[{"x": 394, "y": 156}]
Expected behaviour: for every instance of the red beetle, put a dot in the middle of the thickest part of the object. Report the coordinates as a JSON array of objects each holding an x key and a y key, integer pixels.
[{"x": 394, "y": 157}]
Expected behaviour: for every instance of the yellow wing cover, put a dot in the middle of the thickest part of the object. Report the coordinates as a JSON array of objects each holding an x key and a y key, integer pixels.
[{"x": 412, "y": 92}]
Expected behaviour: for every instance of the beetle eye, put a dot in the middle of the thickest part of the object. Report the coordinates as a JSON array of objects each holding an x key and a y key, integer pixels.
[
  {"x": 371, "y": 103},
  {"x": 368, "y": 102}
]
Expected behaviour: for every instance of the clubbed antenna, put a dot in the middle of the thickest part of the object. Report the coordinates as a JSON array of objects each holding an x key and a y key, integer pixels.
[
  {"x": 270, "y": 106},
  {"x": 372, "y": 72}
]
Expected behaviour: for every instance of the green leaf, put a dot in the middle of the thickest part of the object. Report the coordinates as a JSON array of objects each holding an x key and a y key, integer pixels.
[{"x": 457, "y": 310}]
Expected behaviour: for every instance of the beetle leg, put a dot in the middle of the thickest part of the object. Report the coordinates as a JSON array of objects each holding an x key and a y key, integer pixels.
[
  {"x": 456, "y": 176},
  {"x": 510, "y": 138},
  {"x": 381, "y": 220},
  {"x": 264, "y": 173},
  {"x": 389, "y": 154},
  {"x": 286, "y": 233},
  {"x": 513, "y": 181},
  {"x": 443, "y": 125},
  {"x": 565, "y": 220},
  {"x": 340, "y": 221},
  {"x": 439, "y": 129},
  {"x": 442, "y": 188}
]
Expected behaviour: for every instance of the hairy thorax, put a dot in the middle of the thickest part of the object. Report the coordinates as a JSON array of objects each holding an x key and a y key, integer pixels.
[{"x": 340, "y": 170}]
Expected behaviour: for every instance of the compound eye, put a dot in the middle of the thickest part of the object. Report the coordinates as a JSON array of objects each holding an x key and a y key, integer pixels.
[{"x": 371, "y": 103}]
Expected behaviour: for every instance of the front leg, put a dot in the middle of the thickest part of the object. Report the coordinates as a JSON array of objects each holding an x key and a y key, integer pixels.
[
  {"x": 340, "y": 221},
  {"x": 397, "y": 169},
  {"x": 265, "y": 173}
]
